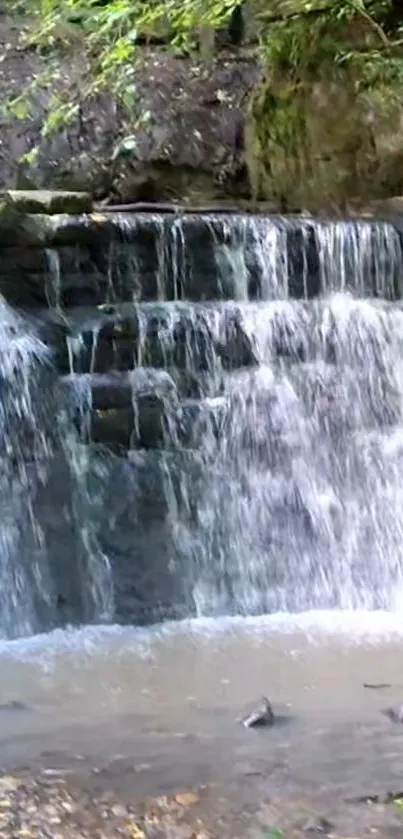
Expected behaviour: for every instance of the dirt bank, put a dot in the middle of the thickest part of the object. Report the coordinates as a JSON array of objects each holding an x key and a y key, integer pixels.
[
  {"x": 46, "y": 805},
  {"x": 190, "y": 147}
]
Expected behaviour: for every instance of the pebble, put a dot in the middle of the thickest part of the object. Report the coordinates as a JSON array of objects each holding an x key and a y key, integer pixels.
[
  {"x": 50, "y": 810},
  {"x": 119, "y": 811},
  {"x": 9, "y": 783},
  {"x": 186, "y": 799},
  {"x": 320, "y": 825},
  {"x": 68, "y": 806}
]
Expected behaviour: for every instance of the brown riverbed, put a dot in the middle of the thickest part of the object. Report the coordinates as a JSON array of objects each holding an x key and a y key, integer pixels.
[{"x": 144, "y": 716}]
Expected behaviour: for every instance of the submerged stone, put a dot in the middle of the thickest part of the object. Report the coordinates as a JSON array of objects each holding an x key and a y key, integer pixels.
[
  {"x": 395, "y": 714},
  {"x": 261, "y": 716}
]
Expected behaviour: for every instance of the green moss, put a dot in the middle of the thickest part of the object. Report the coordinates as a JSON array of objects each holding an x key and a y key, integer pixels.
[{"x": 325, "y": 124}]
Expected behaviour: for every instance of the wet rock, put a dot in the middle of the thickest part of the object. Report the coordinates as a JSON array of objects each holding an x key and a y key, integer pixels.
[
  {"x": 193, "y": 343},
  {"x": 108, "y": 308},
  {"x": 237, "y": 349},
  {"x": 199, "y": 422},
  {"x": 303, "y": 262},
  {"x": 18, "y": 230},
  {"x": 91, "y": 230},
  {"x": 22, "y": 274},
  {"x": 290, "y": 339},
  {"x": 113, "y": 391},
  {"x": 261, "y": 716},
  {"x": 155, "y": 406},
  {"x": 136, "y": 409},
  {"x": 54, "y": 332},
  {"x": 114, "y": 346},
  {"x": 395, "y": 714},
  {"x": 192, "y": 385},
  {"x": 152, "y": 421},
  {"x": 113, "y": 428}
]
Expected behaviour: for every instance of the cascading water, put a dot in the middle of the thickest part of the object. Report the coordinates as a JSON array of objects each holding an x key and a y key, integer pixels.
[
  {"x": 302, "y": 506},
  {"x": 25, "y": 451},
  {"x": 223, "y": 436},
  {"x": 33, "y": 447}
]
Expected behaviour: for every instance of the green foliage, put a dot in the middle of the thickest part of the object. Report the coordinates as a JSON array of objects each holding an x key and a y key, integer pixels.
[
  {"x": 351, "y": 55},
  {"x": 318, "y": 40},
  {"x": 105, "y": 35},
  {"x": 108, "y": 31},
  {"x": 300, "y": 40}
]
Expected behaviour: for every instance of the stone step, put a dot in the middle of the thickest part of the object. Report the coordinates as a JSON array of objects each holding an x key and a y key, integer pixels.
[
  {"x": 90, "y": 260},
  {"x": 199, "y": 343},
  {"x": 141, "y": 411},
  {"x": 44, "y": 201}
]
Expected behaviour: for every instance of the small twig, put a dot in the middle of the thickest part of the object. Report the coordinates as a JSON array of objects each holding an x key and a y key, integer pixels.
[{"x": 375, "y": 25}]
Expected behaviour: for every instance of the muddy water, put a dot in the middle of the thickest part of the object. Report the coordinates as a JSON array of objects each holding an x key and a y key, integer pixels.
[{"x": 163, "y": 705}]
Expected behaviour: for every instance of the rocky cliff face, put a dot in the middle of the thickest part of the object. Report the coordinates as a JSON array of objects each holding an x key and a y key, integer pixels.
[
  {"x": 149, "y": 327},
  {"x": 217, "y": 130},
  {"x": 191, "y": 147}
]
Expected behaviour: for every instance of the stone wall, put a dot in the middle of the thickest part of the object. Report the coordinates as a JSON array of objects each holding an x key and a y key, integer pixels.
[{"x": 131, "y": 310}]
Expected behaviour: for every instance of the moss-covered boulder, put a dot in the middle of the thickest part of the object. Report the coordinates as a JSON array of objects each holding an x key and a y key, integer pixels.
[
  {"x": 49, "y": 202},
  {"x": 326, "y": 128},
  {"x": 324, "y": 145}
]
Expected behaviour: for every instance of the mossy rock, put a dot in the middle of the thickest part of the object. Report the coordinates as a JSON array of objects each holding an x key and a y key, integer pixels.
[
  {"x": 49, "y": 202},
  {"x": 19, "y": 230},
  {"x": 322, "y": 145}
]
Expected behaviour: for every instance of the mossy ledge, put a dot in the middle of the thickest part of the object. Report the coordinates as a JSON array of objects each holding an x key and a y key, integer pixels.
[{"x": 325, "y": 123}]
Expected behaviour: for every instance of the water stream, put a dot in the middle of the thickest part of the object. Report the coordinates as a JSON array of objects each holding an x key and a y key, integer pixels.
[{"x": 222, "y": 437}]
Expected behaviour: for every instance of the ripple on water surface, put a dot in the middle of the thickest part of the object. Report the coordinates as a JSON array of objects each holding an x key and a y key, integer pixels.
[
  {"x": 353, "y": 627},
  {"x": 113, "y": 690}
]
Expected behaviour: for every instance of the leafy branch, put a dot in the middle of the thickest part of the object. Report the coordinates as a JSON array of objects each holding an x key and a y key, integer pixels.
[{"x": 298, "y": 43}]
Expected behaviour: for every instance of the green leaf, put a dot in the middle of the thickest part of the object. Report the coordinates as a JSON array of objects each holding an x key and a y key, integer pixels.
[
  {"x": 127, "y": 146},
  {"x": 30, "y": 157}
]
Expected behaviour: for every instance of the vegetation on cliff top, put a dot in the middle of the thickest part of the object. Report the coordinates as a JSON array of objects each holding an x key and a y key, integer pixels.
[
  {"x": 332, "y": 89},
  {"x": 295, "y": 37},
  {"x": 306, "y": 46}
]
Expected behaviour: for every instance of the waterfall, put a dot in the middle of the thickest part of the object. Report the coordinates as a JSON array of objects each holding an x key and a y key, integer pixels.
[
  {"x": 202, "y": 416},
  {"x": 303, "y": 504},
  {"x": 36, "y": 451}
]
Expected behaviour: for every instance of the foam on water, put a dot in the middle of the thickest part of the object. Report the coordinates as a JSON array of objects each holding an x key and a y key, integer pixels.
[{"x": 347, "y": 627}]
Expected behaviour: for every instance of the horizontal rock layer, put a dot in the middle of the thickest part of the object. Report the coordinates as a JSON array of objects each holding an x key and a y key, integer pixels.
[
  {"x": 175, "y": 355},
  {"x": 93, "y": 260},
  {"x": 155, "y": 375}
]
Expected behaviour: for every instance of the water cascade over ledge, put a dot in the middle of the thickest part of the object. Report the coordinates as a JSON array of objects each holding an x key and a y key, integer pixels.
[{"x": 200, "y": 416}]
